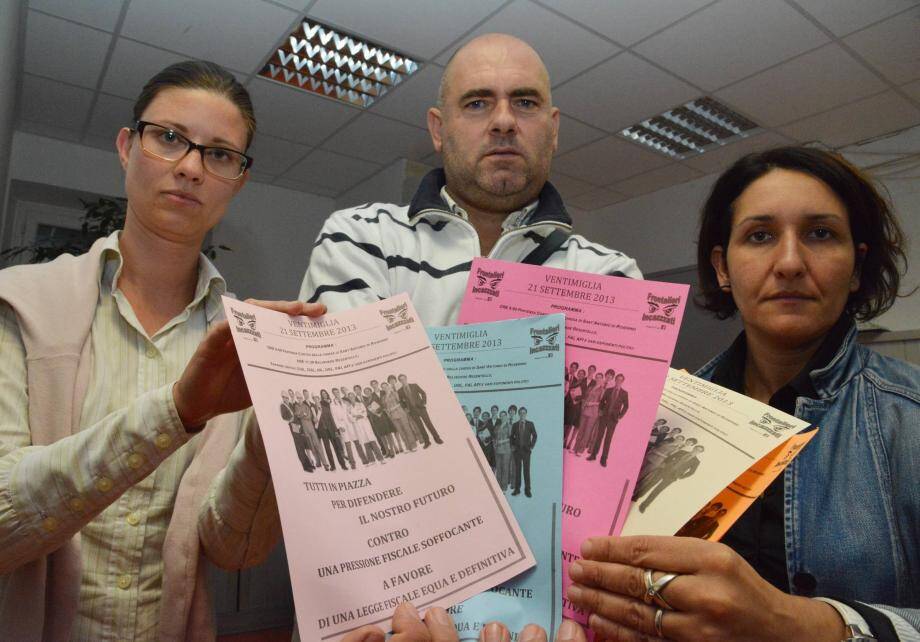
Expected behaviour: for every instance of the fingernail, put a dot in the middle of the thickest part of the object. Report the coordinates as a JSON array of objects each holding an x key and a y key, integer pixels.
[
  {"x": 576, "y": 571},
  {"x": 574, "y": 592},
  {"x": 586, "y": 548},
  {"x": 440, "y": 616},
  {"x": 531, "y": 633},
  {"x": 408, "y": 606},
  {"x": 492, "y": 632},
  {"x": 568, "y": 630}
]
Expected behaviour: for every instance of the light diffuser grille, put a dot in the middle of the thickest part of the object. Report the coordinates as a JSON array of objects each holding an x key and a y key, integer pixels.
[
  {"x": 691, "y": 129},
  {"x": 331, "y": 63}
]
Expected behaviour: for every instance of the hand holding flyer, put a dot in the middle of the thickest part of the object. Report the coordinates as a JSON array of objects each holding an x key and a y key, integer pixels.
[{"x": 384, "y": 495}]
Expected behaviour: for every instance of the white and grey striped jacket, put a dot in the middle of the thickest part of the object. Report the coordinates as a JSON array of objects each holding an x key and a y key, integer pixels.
[{"x": 377, "y": 250}]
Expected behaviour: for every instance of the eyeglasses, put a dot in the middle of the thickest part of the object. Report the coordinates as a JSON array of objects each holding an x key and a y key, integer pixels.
[{"x": 170, "y": 145}]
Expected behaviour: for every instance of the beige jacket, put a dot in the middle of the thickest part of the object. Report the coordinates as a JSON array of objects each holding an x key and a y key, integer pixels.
[{"x": 55, "y": 304}]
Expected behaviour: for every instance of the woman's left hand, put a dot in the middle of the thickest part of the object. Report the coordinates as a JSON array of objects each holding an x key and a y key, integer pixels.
[
  {"x": 716, "y": 595},
  {"x": 212, "y": 382}
]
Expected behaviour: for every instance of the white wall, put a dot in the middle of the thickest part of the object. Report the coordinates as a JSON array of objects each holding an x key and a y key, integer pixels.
[
  {"x": 659, "y": 230},
  {"x": 271, "y": 229},
  {"x": 385, "y": 186}
]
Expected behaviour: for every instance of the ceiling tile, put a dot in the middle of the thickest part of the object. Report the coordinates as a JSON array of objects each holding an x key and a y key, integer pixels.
[
  {"x": 330, "y": 170},
  {"x": 656, "y": 179},
  {"x": 568, "y": 186},
  {"x": 806, "y": 85},
  {"x": 51, "y": 44},
  {"x": 626, "y": 21},
  {"x": 912, "y": 89},
  {"x": 380, "y": 140},
  {"x": 259, "y": 177},
  {"x": 132, "y": 65},
  {"x": 608, "y": 160},
  {"x": 566, "y": 48},
  {"x": 238, "y": 34},
  {"x": 275, "y": 155},
  {"x": 905, "y": 142},
  {"x": 845, "y": 16},
  {"x": 105, "y": 143},
  {"x": 433, "y": 25},
  {"x": 597, "y": 198},
  {"x": 52, "y": 103},
  {"x": 731, "y": 40},
  {"x": 892, "y": 46},
  {"x": 719, "y": 159},
  {"x": 621, "y": 92},
  {"x": 410, "y": 100},
  {"x": 102, "y": 14},
  {"x": 302, "y": 186},
  {"x": 867, "y": 118},
  {"x": 110, "y": 114},
  {"x": 573, "y": 133},
  {"x": 48, "y": 130},
  {"x": 294, "y": 114}
]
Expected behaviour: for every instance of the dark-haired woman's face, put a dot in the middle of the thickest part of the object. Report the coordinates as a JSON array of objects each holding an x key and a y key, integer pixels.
[
  {"x": 790, "y": 260},
  {"x": 178, "y": 200}
]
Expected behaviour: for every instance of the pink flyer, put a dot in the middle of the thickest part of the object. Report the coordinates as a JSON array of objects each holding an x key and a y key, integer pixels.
[
  {"x": 384, "y": 494},
  {"x": 620, "y": 337}
]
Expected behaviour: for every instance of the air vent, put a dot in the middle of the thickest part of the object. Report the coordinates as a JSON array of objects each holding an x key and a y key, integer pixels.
[
  {"x": 691, "y": 129},
  {"x": 337, "y": 65}
]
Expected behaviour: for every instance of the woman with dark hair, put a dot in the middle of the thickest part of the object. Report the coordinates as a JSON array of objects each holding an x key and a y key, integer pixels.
[
  {"x": 113, "y": 481},
  {"x": 800, "y": 244},
  {"x": 329, "y": 432}
]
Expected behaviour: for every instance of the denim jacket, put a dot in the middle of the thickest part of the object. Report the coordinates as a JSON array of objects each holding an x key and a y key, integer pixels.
[{"x": 852, "y": 496}]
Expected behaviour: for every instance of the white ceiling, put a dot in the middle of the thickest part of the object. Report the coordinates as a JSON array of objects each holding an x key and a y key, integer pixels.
[{"x": 834, "y": 71}]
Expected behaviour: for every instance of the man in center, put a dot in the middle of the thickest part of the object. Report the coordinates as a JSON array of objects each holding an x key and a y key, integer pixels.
[{"x": 496, "y": 130}]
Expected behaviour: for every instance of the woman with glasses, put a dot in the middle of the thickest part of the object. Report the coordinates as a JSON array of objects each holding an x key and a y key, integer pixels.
[
  {"x": 801, "y": 244},
  {"x": 113, "y": 481}
]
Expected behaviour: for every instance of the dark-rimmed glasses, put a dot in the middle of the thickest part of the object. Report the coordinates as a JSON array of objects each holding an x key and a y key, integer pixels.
[{"x": 170, "y": 145}]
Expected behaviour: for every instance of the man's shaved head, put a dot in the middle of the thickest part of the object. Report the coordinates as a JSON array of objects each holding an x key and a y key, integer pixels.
[
  {"x": 486, "y": 44},
  {"x": 495, "y": 125}
]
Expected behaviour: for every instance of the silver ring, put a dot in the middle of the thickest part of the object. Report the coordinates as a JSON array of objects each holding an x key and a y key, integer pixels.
[
  {"x": 654, "y": 587},
  {"x": 659, "y": 616}
]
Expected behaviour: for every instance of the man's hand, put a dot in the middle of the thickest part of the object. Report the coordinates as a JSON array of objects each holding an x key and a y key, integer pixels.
[
  {"x": 212, "y": 383},
  {"x": 439, "y": 627}
]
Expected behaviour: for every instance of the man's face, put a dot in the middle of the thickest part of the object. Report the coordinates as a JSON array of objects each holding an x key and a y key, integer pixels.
[
  {"x": 496, "y": 129},
  {"x": 523, "y": 413},
  {"x": 336, "y": 393}
]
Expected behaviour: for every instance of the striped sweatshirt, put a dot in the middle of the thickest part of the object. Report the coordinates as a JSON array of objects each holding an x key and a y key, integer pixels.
[{"x": 367, "y": 253}]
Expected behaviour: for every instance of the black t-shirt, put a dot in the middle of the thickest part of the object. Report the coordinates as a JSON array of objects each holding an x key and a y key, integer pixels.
[{"x": 759, "y": 534}]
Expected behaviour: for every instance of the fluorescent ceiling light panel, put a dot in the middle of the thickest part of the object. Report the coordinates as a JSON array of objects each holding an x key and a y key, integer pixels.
[
  {"x": 332, "y": 63},
  {"x": 691, "y": 129}
]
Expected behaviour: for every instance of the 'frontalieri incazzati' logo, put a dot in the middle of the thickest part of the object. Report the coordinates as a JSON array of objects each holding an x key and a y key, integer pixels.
[
  {"x": 487, "y": 282},
  {"x": 397, "y": 316},
  {"x": 662, "y": 309},
  {"x": 545, "y": 339},
  {"x": 772, "y": 424},
  {"x": 246, "y": 323}
]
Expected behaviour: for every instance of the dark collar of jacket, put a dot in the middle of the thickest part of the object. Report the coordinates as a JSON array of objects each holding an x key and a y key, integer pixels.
[
  {"x": 836, "y": 368},
  {"x": 428, "y": 197}
]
